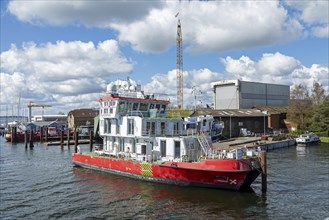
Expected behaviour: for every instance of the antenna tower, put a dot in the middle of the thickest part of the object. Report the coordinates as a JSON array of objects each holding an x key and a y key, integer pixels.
[{"x": 179, "y": 66}]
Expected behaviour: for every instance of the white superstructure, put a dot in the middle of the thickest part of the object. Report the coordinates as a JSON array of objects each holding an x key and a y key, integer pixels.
[{"x": 135, "y": 123}]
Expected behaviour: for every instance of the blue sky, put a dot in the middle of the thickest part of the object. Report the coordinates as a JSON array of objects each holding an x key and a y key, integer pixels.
[{"x": 64, "y": 53}]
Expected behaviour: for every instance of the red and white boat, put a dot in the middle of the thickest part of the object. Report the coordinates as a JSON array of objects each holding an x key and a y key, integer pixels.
[{"x": 141, "y": 141}]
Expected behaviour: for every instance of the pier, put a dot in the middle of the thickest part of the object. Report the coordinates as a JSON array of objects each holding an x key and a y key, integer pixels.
[{"x": 252, "y": 142}]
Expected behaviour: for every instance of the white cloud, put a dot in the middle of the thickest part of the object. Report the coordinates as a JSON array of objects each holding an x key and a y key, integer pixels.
[
  {"x": 198, "y": 79},
  {"x": 51, "y": 72},
  {"x": 150, "y": 26},
  {"x": 315, "y": 14},
  {"x": 80, "y": 12},
  {"x": 276, "y": 68}
]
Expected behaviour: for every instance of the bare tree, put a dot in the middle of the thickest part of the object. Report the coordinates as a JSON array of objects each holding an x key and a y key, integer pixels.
[
  {"x": 300, "y": 106},
  {"x": 318, "y": 95}
]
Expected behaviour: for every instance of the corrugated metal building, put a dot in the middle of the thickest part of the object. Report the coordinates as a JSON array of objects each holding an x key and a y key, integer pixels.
[{"x": 237, "y": 94}]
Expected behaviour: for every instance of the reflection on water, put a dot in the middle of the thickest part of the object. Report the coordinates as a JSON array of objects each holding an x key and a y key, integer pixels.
[
  {"x": 43, "y": 184},
  {"x": 164, "y": 201}
]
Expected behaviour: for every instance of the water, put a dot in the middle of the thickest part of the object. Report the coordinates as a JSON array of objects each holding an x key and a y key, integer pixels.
[{"x": 43, "y": 184}]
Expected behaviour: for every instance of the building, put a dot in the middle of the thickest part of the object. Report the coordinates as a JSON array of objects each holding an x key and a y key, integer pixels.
[
  {"x": 237, "y": 94},
  {"x": 80, "y": 117},
  {"x": 258, "y": 121}
]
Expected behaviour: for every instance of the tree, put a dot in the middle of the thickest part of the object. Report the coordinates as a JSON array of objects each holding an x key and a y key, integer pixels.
[
  {"x": 300, "y": 107},
  {"x": 320, "y": 118},
  {"x": 318, "y": 95}
]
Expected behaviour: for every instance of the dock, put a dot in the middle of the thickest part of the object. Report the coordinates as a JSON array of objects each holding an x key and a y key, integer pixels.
[{"x": 252, "y": 142}]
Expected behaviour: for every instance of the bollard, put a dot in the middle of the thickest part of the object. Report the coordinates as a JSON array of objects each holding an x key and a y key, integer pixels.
[
  {"x": 91, "y": 141},
  {"x": 263, "y": 165}
]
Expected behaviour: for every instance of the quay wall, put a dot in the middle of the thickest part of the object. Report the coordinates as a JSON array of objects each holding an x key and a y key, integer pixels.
[{"x": 277, "y": 145}]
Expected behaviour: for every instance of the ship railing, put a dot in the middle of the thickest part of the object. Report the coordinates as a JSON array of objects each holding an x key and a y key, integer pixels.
[{"x": 141, "y": 95}]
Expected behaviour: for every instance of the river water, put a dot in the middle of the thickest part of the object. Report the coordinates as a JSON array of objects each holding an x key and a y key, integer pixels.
[{"x": 43, "y": 184}]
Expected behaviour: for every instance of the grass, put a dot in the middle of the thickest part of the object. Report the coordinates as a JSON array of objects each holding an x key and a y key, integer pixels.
[{"x": 324, "y": 139}]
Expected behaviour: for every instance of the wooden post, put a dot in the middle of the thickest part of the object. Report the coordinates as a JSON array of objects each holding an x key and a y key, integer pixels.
[
  {"x": 41, "y": 134},
  {"x": 263, "y": 165},
  {"x": 68, "y": 137},
  {"x": 46, "y": 134},
  {"x": 13, "y": 135},
  {"x": 62, "y": 138},
  {"x": 76, "y": 141},
  {"x": 91, "y": 140},
  {"x": 25, "y": 139},
  {"x": 31, "y": 139}
]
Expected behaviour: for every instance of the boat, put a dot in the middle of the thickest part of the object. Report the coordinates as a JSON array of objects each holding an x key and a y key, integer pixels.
[
  {"x": 308, "y": 138},
  {"x": 20, "y": 136},
  {"x": 141, "y": 140}
]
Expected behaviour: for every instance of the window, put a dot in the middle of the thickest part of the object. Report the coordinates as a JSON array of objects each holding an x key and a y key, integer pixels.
[
  {"x": 150, "y": 127},
  {"x": 163, "y": 127},
  {"x": 131, "y": 126},
  {"x": 143, "y": 149},
  {"x": 176, "y": 125},
  {"x": 143, "y": 107},
  {"x": 240, "y": 123},
  {"x": 107, "y": 126},
  {"x": 135, "y": 106},
  {"x": 163, "y": 109},
  {"x": 163, "y": 148},
  {"x": 121, "y": 106}
]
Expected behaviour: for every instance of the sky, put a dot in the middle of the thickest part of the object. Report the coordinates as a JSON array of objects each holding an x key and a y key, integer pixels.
[{"x": 65, "y": 53}]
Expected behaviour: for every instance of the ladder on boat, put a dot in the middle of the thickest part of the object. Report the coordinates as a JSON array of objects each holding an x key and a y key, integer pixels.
[{"x": 202, "y": 138}]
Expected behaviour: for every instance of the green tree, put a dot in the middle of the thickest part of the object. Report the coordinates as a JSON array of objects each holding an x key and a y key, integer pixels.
[{"x": 320, "y": 118}]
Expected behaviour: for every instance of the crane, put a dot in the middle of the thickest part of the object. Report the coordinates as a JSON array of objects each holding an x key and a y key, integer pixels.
[
  {"x": 31, "y": 105},
  {"x": 179, "y": 65}
]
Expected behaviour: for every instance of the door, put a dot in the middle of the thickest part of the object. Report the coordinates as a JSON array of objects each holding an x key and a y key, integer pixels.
[{"x": 177, "y": 149}]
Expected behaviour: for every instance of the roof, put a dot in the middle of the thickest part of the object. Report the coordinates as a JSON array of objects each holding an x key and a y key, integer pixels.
[
  {"x": 87, "y": 112},
  {"x": 273, "y": 109},
  {"x": 235, "y": 112}
]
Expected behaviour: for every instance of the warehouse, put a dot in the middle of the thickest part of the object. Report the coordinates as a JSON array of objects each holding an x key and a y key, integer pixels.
[{"x": 237, "y": 94}]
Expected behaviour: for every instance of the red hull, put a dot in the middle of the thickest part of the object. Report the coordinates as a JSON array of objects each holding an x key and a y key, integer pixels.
[{"x": 213, "y": 173}]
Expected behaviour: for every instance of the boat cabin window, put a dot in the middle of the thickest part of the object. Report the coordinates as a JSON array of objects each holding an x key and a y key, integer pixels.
[
  {"x": 143, "y": 149},
  {"x": 131, "y": 126},
  {"x": 176, "y": 127},
  {"x": 163, "y": 127},
  {"x": 122, "y": 106},
  {"x": 163, "y": 109},
  {"x": 151, "y": 106},
  {"x": 163, "y": 148},
  {"x": 150, "y": 127},
  {"x": 135, "y": 106},
  {"x": 143, "y": 107},
  {"x": 107, "y": 125}
]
